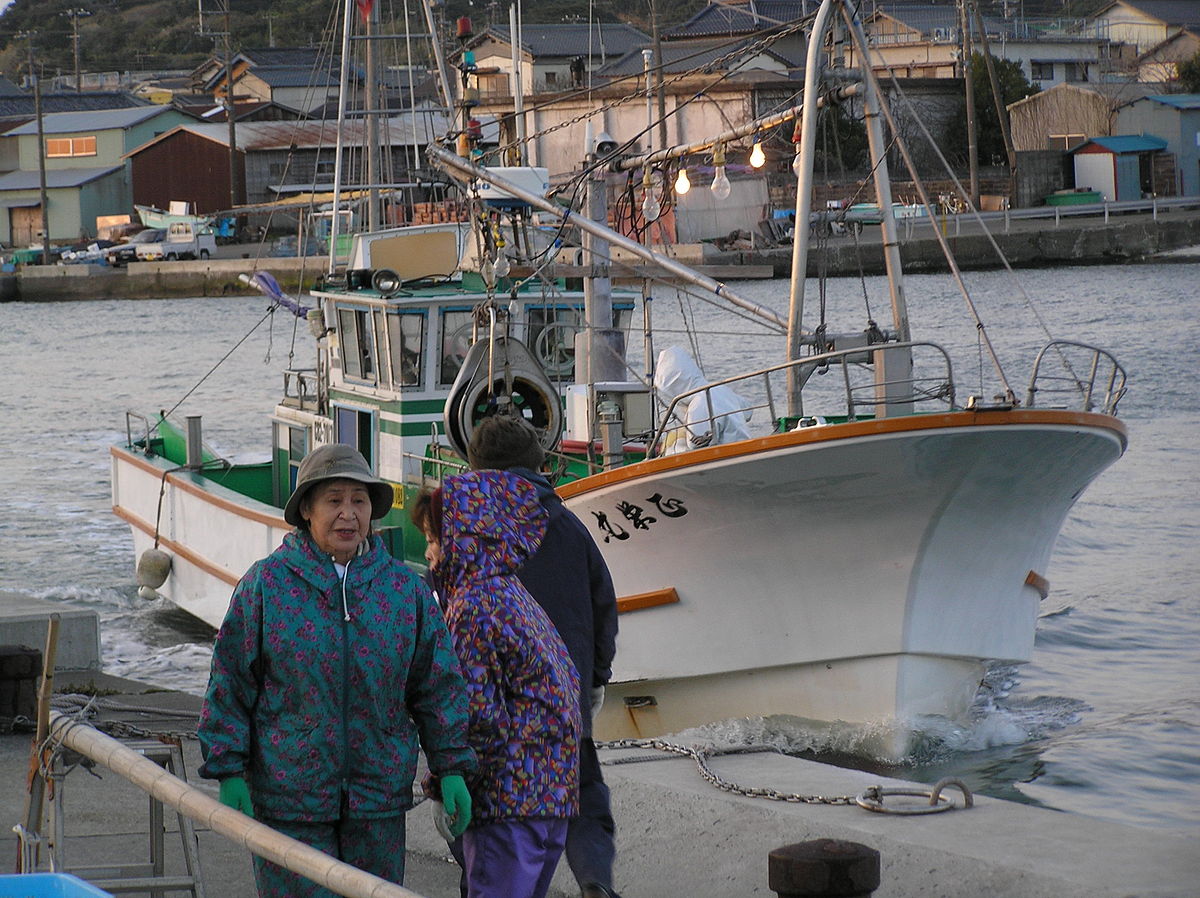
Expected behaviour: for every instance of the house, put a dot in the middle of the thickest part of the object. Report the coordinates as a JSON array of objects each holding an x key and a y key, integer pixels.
[
  {"x": 1161, "y": 62},
  {"x": 278, "y": 159},
  {"x": 555, "y": 57},
  {"x": 1175, "y": 118},
  {"x": 925, "y": 41},
  {"x": 1064, "y": 116},
  {"x": 300, "y": 78},
  {"x": 86, "y": 174},
  {"x": 1120, "y": 168},
  {"x": 729, "y": 19},
  {"x": 1144, "y": 23}
]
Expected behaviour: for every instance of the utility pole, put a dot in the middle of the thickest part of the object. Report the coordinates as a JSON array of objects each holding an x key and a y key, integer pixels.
[
  {"x": 76, "y": 14},
  {"x": 1001, "y": 110},
  {"x": 237, "y": 190},
  {"x": 969, "y": 87},
  {"x": 41, "y": 139},
  {"x": 656, "y": 37}
]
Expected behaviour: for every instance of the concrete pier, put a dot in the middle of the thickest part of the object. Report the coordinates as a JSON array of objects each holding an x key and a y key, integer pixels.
[
  {"x": 25, "y": 620},
  {"x": 677, "y": 835}
]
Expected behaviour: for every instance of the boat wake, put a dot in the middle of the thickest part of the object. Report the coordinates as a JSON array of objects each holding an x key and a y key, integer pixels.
[{"x": 995, "y": 722}]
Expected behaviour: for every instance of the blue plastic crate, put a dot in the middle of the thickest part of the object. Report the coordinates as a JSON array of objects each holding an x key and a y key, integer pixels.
[{"x": 48, "y": 885}]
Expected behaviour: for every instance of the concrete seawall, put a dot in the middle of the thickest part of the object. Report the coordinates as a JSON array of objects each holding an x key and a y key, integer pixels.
[
  {"x": 158, "y": 280},
  {"x": 1026, "y": 243}
]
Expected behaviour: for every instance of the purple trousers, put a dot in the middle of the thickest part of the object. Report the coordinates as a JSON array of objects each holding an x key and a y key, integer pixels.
[{"x": 512, "y": 858}]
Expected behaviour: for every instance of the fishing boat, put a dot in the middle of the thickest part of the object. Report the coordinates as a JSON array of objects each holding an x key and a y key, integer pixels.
[{"x": 857, "y": 553}]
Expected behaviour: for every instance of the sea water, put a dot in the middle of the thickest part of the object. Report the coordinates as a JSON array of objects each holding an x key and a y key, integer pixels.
[{"x": 1104, "y": 721}]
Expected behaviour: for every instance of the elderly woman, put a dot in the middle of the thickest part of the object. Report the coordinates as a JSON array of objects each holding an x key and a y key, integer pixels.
[{"x": 332, "y": 664}]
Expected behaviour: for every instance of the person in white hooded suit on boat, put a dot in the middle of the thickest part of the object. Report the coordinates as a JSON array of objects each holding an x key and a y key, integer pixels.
[{"x": 716, "y": 416}]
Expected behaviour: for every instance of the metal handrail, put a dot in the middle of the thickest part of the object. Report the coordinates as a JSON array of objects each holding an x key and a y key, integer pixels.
[
  {"x": 129, "y": 416},
  {"x": 1102, "y": 366},
  {"x": 925, "y": 389}
]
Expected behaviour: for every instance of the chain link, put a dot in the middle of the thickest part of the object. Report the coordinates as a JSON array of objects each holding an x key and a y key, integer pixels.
[{"x": 701, "y": 756}]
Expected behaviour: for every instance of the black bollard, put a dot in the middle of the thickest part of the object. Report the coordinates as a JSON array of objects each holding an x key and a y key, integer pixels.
[{"x": 824, "y": 868}]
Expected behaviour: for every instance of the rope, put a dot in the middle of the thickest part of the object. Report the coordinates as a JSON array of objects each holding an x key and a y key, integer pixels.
[{"x": 270, "y": 311}]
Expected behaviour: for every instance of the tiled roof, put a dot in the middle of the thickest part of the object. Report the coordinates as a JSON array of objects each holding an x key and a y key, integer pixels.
[
  {"x": 99, "y": 120},
  {"x": 728, "y": 19},
  {"x": 294, "y": 76},
  {"x": 683, "y": 56},
  {"x": 1184, "y": 13},
  {"x": 573, "y": 40},
  {"x": 928, "y": 17}
]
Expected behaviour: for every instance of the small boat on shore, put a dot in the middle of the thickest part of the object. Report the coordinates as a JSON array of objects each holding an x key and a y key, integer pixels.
[{"x": 856, "y": 547}]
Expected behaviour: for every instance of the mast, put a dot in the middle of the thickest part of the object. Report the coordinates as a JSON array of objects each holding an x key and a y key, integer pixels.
[
  {"x": 808, "y": 142},
  {"x": 893, "y": 367},
  {"x": 343, "y": 81},
  {"x": 371, "y": 104}
]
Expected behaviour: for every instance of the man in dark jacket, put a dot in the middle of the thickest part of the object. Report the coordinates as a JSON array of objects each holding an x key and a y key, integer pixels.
[{"x": 567, "y": 576}]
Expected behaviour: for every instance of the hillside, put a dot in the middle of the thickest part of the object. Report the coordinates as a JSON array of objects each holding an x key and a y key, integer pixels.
[
  {"x": 124, "y": 35},
  {"x": 164, "y": 34}
]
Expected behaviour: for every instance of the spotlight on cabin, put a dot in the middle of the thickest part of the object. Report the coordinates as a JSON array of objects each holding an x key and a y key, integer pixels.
[{"x": 386, "y": 281}]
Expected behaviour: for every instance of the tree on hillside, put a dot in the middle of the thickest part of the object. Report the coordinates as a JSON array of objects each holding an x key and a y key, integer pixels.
[
  {"x": 1013, "y": 86},
  {"x": 1189, "y": 74}
]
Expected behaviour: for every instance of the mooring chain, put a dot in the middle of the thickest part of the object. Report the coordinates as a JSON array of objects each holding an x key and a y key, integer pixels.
[
  {"x": 701, "y": 756},
  {"x": 870, "y": 799},
  {"x": 84, "y": 707}
]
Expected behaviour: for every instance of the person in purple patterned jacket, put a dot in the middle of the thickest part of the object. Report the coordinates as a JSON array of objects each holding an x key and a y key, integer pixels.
[
  {"x": 525, "y": 721},
  {"x": 332, "y": 662}
]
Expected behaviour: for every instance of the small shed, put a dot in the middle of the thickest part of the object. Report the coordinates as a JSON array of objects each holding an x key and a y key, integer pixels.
[{"x": 1119, "y": 168}]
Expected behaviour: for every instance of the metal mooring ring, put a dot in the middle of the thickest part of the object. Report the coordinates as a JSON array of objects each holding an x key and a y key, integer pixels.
[{"x": 872, "y": 798}]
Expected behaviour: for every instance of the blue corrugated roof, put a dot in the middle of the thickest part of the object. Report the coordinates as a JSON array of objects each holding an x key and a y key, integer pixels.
[
  {"x": 55, "y": 177},
  {"x": 1126, "y": 143},
  {"x": 99, "y": 120},
  {"x": 1179, "y": 101}
]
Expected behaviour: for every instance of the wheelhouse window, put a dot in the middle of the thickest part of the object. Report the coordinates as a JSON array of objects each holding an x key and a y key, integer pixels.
[
  {"x": 456, "y": 330},
  {"x": 63, "y": 147},
  {"x": 406, "y": 334},
  {"x": 357, "y": 344},
  {"x": 552, "y": 330},
  {"x": 381, "y": 350}
]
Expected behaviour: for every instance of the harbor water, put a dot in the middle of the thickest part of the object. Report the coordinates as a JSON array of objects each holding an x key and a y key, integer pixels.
[{"x": 1104, "y": 721}]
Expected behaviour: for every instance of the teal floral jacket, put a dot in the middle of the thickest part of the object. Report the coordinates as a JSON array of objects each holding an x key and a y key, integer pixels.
[
  {"x": 321, "y": 688},
  {"x": 524, "y": 691}
]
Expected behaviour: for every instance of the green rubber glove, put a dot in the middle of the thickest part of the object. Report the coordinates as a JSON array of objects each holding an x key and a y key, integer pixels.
[
  {"x": 457, "y": 802},
  {"x": 236, "y": 794}
]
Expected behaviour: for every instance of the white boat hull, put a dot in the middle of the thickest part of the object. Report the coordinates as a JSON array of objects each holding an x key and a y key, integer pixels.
[
  {"x": 867, "y": 572},
  {"x": 865, "y": 578},
  {"x": 212, "y": 534}
]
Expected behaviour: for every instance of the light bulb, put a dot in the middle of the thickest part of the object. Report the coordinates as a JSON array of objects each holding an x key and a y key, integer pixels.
[
  {"x": 757, "y": 156},
  {"x": 682, "y": 184},
  {"x": 720, "y": 186},
  {"x": 796, "y": 165},
  {"x": 502, "y": 267},
  {"x": 651, "y": 208}
]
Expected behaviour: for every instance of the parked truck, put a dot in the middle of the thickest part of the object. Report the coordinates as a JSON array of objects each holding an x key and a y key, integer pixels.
[{"x": 183, "y": 240}]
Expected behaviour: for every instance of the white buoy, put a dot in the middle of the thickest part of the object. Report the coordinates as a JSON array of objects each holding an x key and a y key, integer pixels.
[{"x": 153, "y": 568}]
